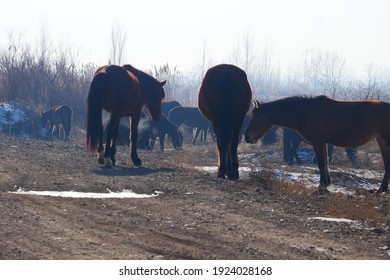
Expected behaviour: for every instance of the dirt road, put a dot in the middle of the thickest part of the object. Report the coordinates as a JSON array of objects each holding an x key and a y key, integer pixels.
[{"x": 192, "y": 216}]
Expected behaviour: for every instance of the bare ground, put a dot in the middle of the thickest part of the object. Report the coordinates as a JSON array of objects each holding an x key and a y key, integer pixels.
[{"x": 195, "y": 215}]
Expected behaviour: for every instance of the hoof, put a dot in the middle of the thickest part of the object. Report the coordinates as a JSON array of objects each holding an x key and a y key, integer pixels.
[
  {"x": 107, "y": 162},
  {"x": 137, "y": 162},
  {"x": 323, "y": 192},
  {"x": 100, "y": 158}
]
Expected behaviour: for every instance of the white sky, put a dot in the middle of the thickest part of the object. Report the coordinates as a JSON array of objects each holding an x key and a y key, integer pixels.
[{"x": 174, "y": 31}]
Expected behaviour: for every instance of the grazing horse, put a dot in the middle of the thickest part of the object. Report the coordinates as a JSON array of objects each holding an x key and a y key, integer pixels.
[
  {"x": 121, "y": 91},
  {"x": 224, "y": 99},
  {"x": 60, "y": 114},
  {"x": 190, "y": 117},
  {"x": 167, "y": 106},
  {"x": 165, "y": 127},
  {"x": 322, "y": 120}
]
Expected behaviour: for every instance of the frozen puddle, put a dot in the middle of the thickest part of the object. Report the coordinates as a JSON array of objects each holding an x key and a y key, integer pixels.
[{"x": 73, "y": 194}]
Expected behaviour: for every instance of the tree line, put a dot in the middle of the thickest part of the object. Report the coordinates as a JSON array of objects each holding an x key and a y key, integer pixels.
[{"x": 45, "y": 76}]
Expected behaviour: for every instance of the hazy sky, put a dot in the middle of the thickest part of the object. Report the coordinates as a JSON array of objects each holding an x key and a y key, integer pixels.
[{"x": 174, "y": 32}]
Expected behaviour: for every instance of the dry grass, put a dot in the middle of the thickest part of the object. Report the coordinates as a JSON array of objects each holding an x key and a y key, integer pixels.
[
  {"x": 374, "y": 208},
  {"x": 364, "y": 206}
]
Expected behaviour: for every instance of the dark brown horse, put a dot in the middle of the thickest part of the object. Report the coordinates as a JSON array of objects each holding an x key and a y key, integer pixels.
[
  {"x": 162, "y": 128},
  {"x": 322, "y": 120},
  {"x": 190, "y": 117},
  {"x": 122, "y": 93},
  {"x": 224, "y": 98},
  {"x": 56, "y": 116}
]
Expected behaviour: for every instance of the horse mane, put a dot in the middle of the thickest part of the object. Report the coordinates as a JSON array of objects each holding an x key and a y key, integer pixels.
[
  {"x": 292, "y": 101},
  {"x": 143, "y": 77},
  {"x": 147, "y": 83}
]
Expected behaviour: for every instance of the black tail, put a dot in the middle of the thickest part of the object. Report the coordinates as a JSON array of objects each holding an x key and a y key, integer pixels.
[
  {"x": 225, "y": 115},
  {"x": 94, "y": 115}
]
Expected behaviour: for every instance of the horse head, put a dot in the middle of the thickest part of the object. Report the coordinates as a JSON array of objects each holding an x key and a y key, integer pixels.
[
  {"x": 153, "y": 101},
  {"x": 259, "y": 124}
]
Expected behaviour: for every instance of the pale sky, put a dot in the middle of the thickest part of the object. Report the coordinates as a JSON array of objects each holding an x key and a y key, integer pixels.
[{"x": 174, "y": 31}]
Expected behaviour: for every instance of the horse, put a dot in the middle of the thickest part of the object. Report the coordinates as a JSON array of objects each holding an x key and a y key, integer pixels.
[
  {"x": 165, "y": 127},
  {"x": 121, "y": 91},
  {"x": 190, "y": 117},
  {"x": 321, "y": 120},
  {"x": 224, "y": 98},
  {"x": 56, "y": 116},
  {"x": 167, "y": 106},
  {"x": 292, "y": 140}
]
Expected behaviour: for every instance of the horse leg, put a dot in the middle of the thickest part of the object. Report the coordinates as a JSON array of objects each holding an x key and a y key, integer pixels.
[
  {"x": 197, "y": 131},
  {"x": 352, "y": 155},
  {"x": 113, "y": 144},
  {"x": 162, "y": 140},
  {"x": 204, "y": 135},
  {"x": 57, "y": 131},
  {"x": 100, "y": 148},
  {"x": 222, "y": 159},
  {"x": 322, "y": 161},
  {"x": 114, "y": 120},
  {"x": 294, "y": 153},
  {"x": 233, "y": 160},
  {"x": 134, "y": 139},
  {"x": 330, "y": 153},
  {"x": 51, "y": 131},
  {"x": 385, "y": 151}
]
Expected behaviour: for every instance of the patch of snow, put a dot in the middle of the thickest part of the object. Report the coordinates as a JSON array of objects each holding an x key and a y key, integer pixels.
[
  {"x": 73, "y": 194},
  {"x": 336, "y": 220}
]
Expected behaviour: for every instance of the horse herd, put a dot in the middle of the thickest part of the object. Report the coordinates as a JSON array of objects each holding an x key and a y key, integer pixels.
[{"x": 224, "y": 99}]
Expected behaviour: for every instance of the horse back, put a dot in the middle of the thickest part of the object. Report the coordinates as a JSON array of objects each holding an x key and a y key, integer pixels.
[
  {"x": 189, "y": 116},
  {"x": 225, "y": 90},
  {"x": 117, "y": 86}
]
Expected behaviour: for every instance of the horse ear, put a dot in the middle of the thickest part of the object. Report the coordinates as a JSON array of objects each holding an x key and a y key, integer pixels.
[
  {"x": 256, "y": 104},
  {"x": 163, "y": 83}
]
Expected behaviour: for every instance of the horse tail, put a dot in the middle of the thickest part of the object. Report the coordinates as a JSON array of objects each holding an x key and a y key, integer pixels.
[
  {"x": 225, "y": 116},
  {"x": 94, "y": 112}
]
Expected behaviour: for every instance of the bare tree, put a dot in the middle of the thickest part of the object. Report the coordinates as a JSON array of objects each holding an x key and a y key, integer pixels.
[
  {"x": 118, "y": 43},
  {"x": 324, "y": 72}
]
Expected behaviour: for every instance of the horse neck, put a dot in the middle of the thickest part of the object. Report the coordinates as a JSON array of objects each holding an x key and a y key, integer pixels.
[{"x": 290, "y": 116}]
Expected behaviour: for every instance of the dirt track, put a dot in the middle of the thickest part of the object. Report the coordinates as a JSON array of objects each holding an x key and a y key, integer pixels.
[{"x": 195, "y": 215}]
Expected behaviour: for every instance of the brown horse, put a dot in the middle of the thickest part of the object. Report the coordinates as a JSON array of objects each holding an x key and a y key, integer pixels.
[
  {"x": 56, "y": 116},
  {"x": 121, "y": 93},
  {"x": 224, "y": 98},
  {"x": 322, "y": 120}
]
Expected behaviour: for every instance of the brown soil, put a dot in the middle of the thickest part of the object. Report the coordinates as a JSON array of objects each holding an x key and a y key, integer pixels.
[{"x": 195, "y": 215}]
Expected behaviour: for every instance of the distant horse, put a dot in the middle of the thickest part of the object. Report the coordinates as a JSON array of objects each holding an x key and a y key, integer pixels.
[
  {"x": 167, "y": 106},
  {"x": 165, "y": 127},
  {"x": 56, "y": 116},
  {"x": 322, "y": 120},
  {"x": 224, "y": 98},
  {"x": 121, "y": 91},
  {"x": 190, "y": 117},
  {"x": 292, "y": 140},
  {"x": 269, "y": 137}
]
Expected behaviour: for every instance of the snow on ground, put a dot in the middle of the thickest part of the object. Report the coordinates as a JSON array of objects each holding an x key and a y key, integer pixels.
[{"x": 343, "y": 179}]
